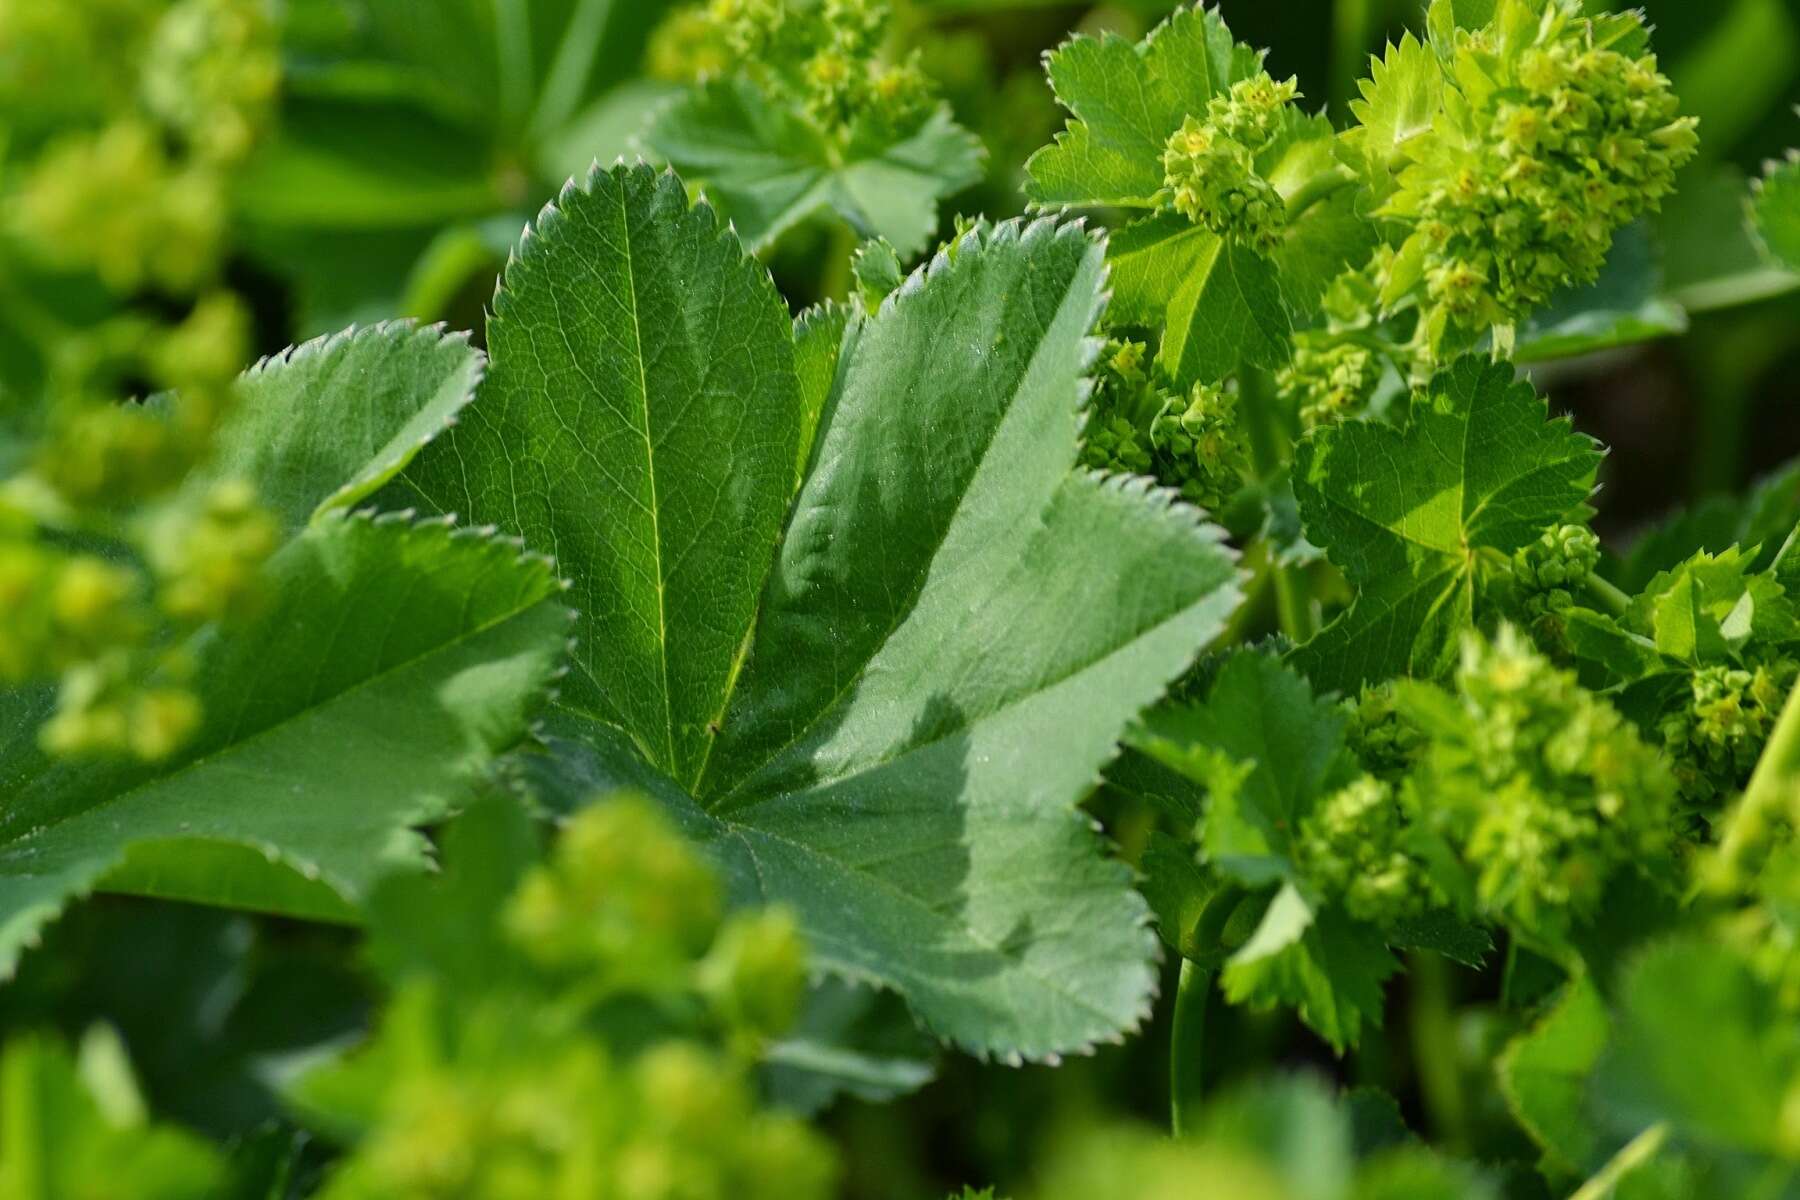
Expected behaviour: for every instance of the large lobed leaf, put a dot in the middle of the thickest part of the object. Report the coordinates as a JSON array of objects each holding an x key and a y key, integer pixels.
[
  {"x": 391, "y": 664},
  {"x": 321, "y": 426},
  {"x": 1267, "y": 751},
  {"x": 768, "y": 169},
  {"x": 1409, "y": 514},
  {"x": 880, "y": 700},
  {"x": 1219, "y": 304},
  {"x": 1125, "y": 100}
]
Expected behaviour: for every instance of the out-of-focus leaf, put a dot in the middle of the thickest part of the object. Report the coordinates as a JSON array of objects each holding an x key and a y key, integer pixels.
[
  {"x": 768, "y": 169},
  {"x": 850, "y": 1040},
  {"x": 1544, "y": 1075}
]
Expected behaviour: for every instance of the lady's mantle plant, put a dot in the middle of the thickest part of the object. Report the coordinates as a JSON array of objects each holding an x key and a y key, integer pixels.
[{"x": 810, "y": 636}]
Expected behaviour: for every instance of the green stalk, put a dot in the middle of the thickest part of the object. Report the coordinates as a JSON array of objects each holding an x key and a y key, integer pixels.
[
  {"x": 1634, "y": 1154},
  {"x": 1352, "y": 30},
  {"x": 1186, "y": 1052},
  {"x": 1770, "y": 796},
  {"x": 1435, "y": 1056},
  {"x": 1268, "y": 451},
  {"x": 1186, "y": 1084},
  {"x": 1607, "y": 597}
]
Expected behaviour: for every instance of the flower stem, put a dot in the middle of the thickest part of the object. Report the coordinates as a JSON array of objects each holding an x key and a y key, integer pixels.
[
  {"x": 1185, "y": 1050},
  {"x": 1434, "y": 1046},
  {"x": 1607, "y": 596},
  {"x": 1634, "y": 1154},
  {"x": 1186, "y": 1089}
]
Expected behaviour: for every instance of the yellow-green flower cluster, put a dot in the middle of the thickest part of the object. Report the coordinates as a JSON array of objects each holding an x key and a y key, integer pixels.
[
  {"x": 126, "y": 120},
  {"x": 1193, "y": 443},
  {"x": 1718, "y": 728},
  {"x": 1545, "y": 789},
  {"x": 496, "y": 1102},
  {"x": 1210, "y": 168},
  {"x": 1550, "y": 571},
  {"x": 1353, "y": 846},
  {"x": 1125, "y": 401},
  {"x": 1200, "y": 445},
  {"x": 1329, "y": 383},
  {"x": 1552, "y": 139},
  {"x": 822, "y": 56},
  {"x": 625, "y": 904},
  {"x": 1386, "y": 742},
  {"x": 129, "y": 181},
  {"x": 622, "y": 1072}
]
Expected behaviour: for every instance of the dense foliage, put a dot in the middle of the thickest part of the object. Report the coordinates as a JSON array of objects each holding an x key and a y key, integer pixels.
[{"x": 948, "y": 610}]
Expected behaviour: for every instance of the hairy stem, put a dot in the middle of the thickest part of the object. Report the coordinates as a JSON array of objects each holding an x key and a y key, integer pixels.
[
  {"x": 1773, "y": 787},
  {"x": 1268, "y": 451}
]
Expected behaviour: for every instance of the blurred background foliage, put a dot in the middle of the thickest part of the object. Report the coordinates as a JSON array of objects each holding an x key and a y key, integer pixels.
[{"x": 358, "y": 160}]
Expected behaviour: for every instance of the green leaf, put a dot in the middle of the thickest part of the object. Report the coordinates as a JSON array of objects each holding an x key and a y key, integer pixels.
[
  {"x": 1709, "y": 607},
  {"x": 1262, "y": 718},
  {"x": 1623, "y": 307},
  {"x": 1762, "y": 518},
  {"x": 642, "y": 368},
  {"x": 1712, "y": 255},
  {"x": 1327, "y": 239},
  {"x": 443, "y": 925},
  {"x": 1292, "y": 1123},
  {"x": 1319, "y": 962},
  {"x": 1415, "y": 1173},
  {"x": 1600, "y": 639},
  {"x": 1408, "y": 514},
  {"x": 1444, "y": 933},
  {"x": 322, "y": 426},
  {"x": 1400, "y": 100},
  {"x": 1544, "y": 1076},
  {"x": 852, "y": 1041},
  {"x": 818, "y": 338},
  {"x": 393, "y": 663},
  {"x": 364, "y": 162},
  {"x": 71, "y": 1129},
  {"x": 768, "y": 169},
  {"x": 1219, "y": 304},
  {"x": 1701, "y": 1041},
  {"x": 1775, "y": 211},
  {"x": 1126, "y": 100},
  {"x": 1177, "y": 890},
  {"x": 886, "y": 710}
]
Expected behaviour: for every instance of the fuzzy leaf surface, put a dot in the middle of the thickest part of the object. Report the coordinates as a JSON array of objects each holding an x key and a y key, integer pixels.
[
  {"x": 916, "y": 691},
  {"x": 394, "y": 662},
  {"x": 640, "y": 422},
  {"x": 320, "y": 427}
]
